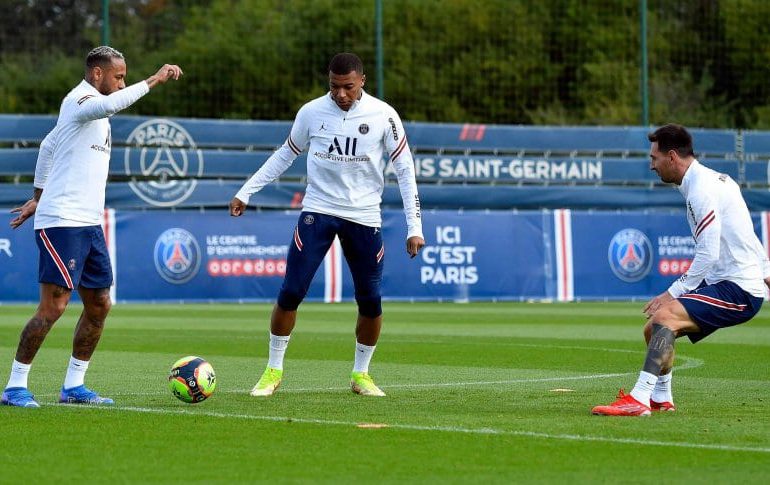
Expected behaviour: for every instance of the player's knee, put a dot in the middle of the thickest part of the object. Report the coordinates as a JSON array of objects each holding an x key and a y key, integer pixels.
[
  {"x": 664, "y": 316},
  {"x": 100, "y": 306},
  {"x": 662, "y": 323},
  {"x": 289, "y": 300},
  {"x": 369, "y": 306},
  {"x": 50, "y": 312}
]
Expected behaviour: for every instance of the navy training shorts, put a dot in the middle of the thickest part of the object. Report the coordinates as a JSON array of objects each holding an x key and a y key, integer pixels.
[
  {"x": 719, "y": 305},
  {"x": 314, "y": 234},
  {"x": 74, "y": 256}
]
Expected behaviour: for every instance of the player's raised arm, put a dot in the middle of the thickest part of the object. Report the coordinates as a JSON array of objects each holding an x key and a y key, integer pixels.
[
  {"x": 106, "y": 71},
  {"x": 164, "y": 74}
]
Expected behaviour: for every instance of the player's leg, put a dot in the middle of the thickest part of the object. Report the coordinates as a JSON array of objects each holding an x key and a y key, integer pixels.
[
  {"x": 696, "y": 314},
  {"x": 365, "y": 254},
  {"x": 311, "y": 239},
  {"x": 660, "y": 331},
  {"x": 94, "y": 291},
  {"x": 662, "y": 398},
  {"x": 53, "y": 302},
  {"x": 58, "y": 248}
]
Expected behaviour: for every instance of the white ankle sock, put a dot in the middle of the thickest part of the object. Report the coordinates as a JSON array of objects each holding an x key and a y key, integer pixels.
[
  {"x": 364, "y": 355},
  {"x": 662, "y": 391},
  {"x": 76, "y": 373},
  {"x": 644, "y": 387},
  {"x": 278, "y": 344},
  {"x": 19, "y": 374}
]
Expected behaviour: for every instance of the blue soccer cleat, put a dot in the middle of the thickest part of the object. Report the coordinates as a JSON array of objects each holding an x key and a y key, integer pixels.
[
  {"x": 20, "y": 397},
  {"x": 83, "y": 395}
]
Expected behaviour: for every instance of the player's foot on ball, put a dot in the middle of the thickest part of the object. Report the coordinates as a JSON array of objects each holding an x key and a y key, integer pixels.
[
  {"x": 363, "y": 384},
  {"x": 625, "y": 405},
  {"x": 83, "y": 395},
  {"x": 19, "y": 397},
  {"x": 268, "y": 383},
  {"x": 662, "y": 406}
]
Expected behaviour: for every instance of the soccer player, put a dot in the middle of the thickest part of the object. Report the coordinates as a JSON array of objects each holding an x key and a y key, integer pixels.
[
  {"x": 723, "y": 287},
  {"x": 348, "y": 134},
  {"x": 68, "y": 203}
]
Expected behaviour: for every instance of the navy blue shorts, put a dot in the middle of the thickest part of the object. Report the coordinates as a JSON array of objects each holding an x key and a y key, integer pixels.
[
  {"x": 74, "y": 256},
  {"x": 361, "y": 245},
  {"x": 716, "y": 306}
]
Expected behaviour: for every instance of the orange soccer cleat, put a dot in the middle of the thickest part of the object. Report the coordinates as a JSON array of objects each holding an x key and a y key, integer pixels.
[
  {"x": 662, "y": 406},
  {"x": 625, "y": 405}
]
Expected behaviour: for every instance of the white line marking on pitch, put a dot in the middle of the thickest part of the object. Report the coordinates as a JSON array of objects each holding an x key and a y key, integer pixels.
[{"x": 446, "y": 429}]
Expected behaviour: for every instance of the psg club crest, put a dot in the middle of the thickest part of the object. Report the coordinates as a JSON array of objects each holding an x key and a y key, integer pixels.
[
  {"x": 163, "y": 158},
  {"x": 177, "y": 256},
  {"x": 630, "y": 255}
]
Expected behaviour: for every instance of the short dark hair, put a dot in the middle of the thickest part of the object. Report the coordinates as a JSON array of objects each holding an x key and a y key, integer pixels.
[
  {"x": 673, "y": 137},
  {"x": 345, "y": 63},
  {"x": 102, "y": 56}
]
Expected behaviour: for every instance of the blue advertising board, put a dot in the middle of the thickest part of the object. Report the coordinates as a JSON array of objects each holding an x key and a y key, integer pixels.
[
  {"x": 558, "y": 255},
  {"x": 634, "y": 255},
  {"x": 167, "y": 256}
]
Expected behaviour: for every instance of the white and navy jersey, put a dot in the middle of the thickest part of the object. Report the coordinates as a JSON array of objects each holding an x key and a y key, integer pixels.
[
  {"x": 726, "y": 247},
  {"x": 346, "y": 161},
  {"x": 74, "y": 157}
]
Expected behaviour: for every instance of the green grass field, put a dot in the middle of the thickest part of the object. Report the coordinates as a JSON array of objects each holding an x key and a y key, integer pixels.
[{"x": 473, "y": 396}]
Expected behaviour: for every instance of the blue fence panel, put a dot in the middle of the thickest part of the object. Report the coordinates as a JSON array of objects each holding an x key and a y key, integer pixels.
[
  {"x": 184, "y": 132},
  {"x": 217, "y": 194},
  {"x": 181, "y": 163},
  {"x": 25, "y": 128},
  {"x": 756, "y": 143},
  {"x": 757, "y": 172}
]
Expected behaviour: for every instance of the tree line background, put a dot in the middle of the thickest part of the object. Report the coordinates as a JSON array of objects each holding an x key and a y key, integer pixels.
[{"x": 558, "y": 62}]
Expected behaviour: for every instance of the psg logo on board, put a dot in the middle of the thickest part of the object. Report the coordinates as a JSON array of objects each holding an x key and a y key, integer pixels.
[
  {"x": 630, "y": 255},
  {"x": 163, "y": 157},
  {"x": 177, "y": 256}
]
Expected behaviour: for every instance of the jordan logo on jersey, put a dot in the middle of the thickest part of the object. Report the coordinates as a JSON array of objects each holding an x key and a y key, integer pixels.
[{"x": 350, "y": 146}]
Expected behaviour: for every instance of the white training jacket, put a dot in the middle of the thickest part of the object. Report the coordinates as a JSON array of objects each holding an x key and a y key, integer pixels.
[
  {"x": 74, "y": 158},
  {"x": 726, "y": 247},
  {"x": 346, "y": 161}
]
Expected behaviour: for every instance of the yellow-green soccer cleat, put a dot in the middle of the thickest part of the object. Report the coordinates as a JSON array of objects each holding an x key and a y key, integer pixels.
[
  {"x": 363, "y": 384},
  {"x": 268, "y": 383}
]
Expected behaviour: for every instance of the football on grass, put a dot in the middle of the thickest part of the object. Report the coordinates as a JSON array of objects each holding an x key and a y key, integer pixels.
[{"x": 192, "y": 379}]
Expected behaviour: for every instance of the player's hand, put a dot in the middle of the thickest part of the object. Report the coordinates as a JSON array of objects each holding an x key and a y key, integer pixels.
[
  {"x": 237, "y": 207},
  {"x": 25, "y": 212},
  {"x": 168, "y": 71},
  {"x": 413, "y": 245},
  {"x": 656, "y": 303}
]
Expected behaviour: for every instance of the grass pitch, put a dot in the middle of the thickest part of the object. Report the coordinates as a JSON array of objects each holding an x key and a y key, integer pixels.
[{"x": 493, "y": 393}]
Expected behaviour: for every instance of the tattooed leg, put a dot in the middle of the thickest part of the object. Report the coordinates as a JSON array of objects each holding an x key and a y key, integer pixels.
[
  {"x": 660, "y": 351},
  {"x": 96, "y": 306},
  {"x": 53, "y": 302}
]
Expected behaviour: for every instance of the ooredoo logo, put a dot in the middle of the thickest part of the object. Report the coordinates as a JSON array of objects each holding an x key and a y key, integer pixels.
[
  {"x": 630, "y": 255},
  {"x": 162, "y": 153},
  {"x": 177, "y": 256}
]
